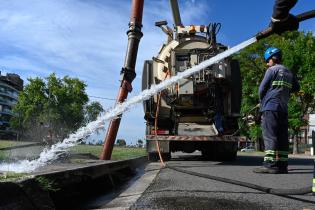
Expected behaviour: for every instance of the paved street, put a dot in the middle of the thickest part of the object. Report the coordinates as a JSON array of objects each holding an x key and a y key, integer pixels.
[{"x": 175, "y": 190}]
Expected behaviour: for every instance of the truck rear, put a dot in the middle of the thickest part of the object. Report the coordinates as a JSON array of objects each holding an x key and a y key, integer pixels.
[{"x": 199, "y": 112}]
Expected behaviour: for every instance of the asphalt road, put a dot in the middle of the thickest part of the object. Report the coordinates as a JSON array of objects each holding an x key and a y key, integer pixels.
[{"x": 176, "y": 190}]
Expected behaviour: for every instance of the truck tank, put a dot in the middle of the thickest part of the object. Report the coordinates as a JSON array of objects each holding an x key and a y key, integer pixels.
[{"x": 199, "y": 112}]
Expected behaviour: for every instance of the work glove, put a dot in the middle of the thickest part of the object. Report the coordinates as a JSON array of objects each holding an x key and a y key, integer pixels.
[
  {"x": 279, "y": 26},
  {"x": 300, "y": 93}
]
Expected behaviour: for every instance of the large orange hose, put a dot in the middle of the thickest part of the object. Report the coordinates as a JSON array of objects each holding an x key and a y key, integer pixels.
[{"x": 157, "y": 144}]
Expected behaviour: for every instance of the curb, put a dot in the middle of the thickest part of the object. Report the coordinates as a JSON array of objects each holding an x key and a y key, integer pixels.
[
  {"x": 129, "y": 197},
  {"x": 68, "y": 181}
]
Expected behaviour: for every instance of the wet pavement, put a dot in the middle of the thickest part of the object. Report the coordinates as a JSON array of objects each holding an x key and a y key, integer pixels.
[{"x": 176, "y": 190}]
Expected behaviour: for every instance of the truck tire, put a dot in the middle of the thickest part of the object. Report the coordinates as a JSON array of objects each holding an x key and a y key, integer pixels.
[
  {"x": 154, "y": 156},
  {"x": 220, "y": 151}
]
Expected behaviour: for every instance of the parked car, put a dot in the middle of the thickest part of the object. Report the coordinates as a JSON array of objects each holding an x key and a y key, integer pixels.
[{"x": 248, "y": 149}]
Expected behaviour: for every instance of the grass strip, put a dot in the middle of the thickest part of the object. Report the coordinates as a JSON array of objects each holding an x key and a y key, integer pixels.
[{"x": 119, "y": 153}]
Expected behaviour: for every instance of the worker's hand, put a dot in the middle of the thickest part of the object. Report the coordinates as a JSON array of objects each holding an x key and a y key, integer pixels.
[
  {"x": 290, "y": 23},
  {"x": 300, "y": 93}
]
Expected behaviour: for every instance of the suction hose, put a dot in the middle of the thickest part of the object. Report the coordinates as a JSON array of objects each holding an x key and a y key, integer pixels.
[
  {"x": 268, "y": 190},
  {"x": 301, "y": 17}
]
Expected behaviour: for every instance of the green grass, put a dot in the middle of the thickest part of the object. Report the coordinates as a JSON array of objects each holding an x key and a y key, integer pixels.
[
  {"x": 7, "y": 143},
  {"x": 11, "y": 176},
  {"x": 119, "y": 153},
  {"x": 47, "y": 184}
]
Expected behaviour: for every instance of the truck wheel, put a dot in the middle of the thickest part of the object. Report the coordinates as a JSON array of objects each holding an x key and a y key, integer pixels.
[
  {"x": 228, "y": 151},
  {"x": 154, "y": 156},
  {"x": 166, "y": 156},
  {"x": 206, "y": 154},
  {"x": 220, "y": 151},
  {"x": 230, "y": 155}
]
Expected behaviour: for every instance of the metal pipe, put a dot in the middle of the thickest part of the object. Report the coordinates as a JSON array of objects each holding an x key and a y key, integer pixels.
[
  {"x": 127, "y": 74},
  {"x": 301, "y": 17},
  {"x": 176, "y": 13}
]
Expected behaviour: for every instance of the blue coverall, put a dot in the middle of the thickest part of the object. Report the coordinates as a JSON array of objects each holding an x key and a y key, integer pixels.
[{"x": 274, "y": 94}]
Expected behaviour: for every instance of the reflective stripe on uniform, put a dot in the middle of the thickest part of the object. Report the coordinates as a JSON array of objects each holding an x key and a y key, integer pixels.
[
  {"x": 269, "y": 159},
  {"x": 270, "y": 155},
  {"x": 282, "y": 83},
  {"x": 270, "y": 152},
  {"x": 313, "y": 188}
]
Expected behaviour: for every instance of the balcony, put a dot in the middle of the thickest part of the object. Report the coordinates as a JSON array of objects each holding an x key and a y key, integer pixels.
[
  {"x": 9, "y": 94},
  {"x": 8, "y": 112}
]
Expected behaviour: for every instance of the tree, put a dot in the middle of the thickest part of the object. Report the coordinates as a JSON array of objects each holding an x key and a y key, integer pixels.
[
  {"x": 54, "y": 106},
  {"x": 140, "y": 143},
  {"x": 26, "y": 111},
  {"x": 92, "y": 111},
  {"x": 298, "y": 50},
  {"x": 121, "y": 142}
]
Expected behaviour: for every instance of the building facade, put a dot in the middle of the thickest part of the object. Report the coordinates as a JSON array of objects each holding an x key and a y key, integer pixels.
[
  {"x": 10, "y": 86},
  {"x": 311, "y": 127}
]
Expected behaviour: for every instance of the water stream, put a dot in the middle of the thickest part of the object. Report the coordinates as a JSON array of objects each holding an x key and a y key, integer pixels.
[{"x": 48, "y": 155}]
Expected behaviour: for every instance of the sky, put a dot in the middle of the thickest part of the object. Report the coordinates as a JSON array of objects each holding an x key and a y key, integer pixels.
[{"x": 87, "y": 39}]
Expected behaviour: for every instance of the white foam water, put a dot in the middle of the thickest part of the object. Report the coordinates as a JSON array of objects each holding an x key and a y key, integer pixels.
[{"x": 50, "y": 154}]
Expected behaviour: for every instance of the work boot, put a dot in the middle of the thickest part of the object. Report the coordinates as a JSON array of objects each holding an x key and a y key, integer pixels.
[
  {"x": 283, "y": 170},
  {"x": 266, "y": 170},
  {"x": 283, "y": 167}
]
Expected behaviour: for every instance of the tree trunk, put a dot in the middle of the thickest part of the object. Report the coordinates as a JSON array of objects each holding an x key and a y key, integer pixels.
[{"x": 295, "y": 144}]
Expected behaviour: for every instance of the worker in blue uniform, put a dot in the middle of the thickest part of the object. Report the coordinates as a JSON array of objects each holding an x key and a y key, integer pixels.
[
  {"x": 274, "y": 93},
  {"x": 276, "y": 141}
]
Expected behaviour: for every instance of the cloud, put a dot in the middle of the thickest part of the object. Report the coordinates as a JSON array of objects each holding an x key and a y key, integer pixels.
[
  {"x": 84, "y": 39},
  {"x": 71, "y": 36}
]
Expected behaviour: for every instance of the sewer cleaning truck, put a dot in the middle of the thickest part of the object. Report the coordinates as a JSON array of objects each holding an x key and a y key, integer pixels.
[{"x": 199, "y": 112}]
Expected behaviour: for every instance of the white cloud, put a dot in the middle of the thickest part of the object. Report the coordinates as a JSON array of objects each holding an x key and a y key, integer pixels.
[{"x": 84, "y": 39}]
